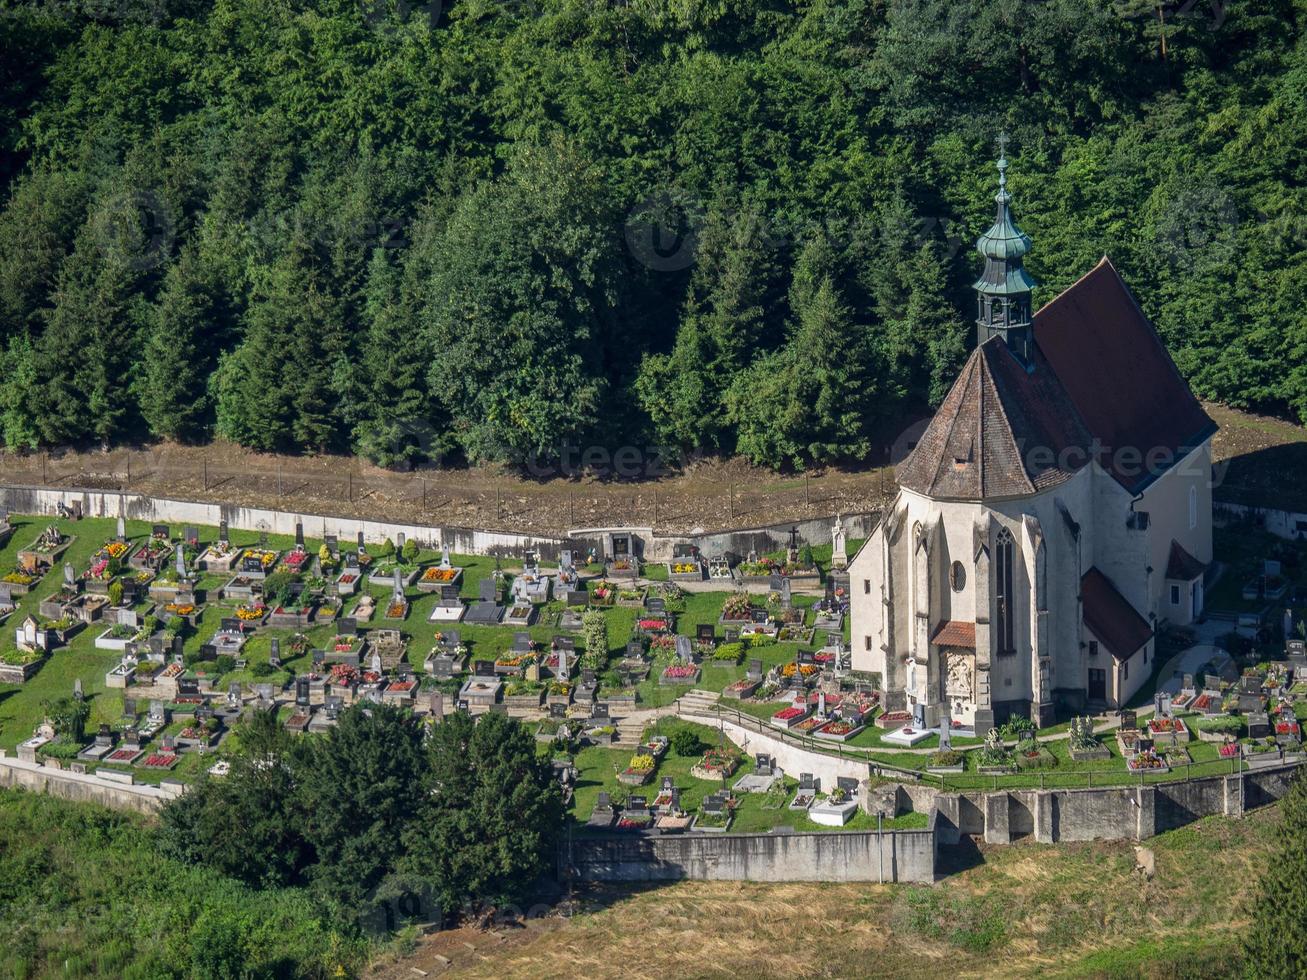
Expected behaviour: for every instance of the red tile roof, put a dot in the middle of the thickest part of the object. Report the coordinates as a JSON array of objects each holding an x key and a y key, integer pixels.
[
  {"x": 1182, "y": 566},
  {"x": 1119, "y": 376},
  {"x": 1001, "y": 431},
  {"x": 955, "y": 633},
  {"x": 1110, "y": 617},
  {"x": 1102, "y": 382}
]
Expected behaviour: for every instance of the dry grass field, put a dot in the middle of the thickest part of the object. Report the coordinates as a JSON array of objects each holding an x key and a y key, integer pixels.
[{"x": 1024, "y": 910}]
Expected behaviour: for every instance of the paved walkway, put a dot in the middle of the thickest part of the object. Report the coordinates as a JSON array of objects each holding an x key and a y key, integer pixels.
[{"x": 1190, "y": 661}]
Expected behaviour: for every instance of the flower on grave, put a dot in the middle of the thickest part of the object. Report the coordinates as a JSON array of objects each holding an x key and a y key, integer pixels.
[
  {"x": 785, "y": 714},
  {"x": 115, "y": 549},
  {"x": 681, "y": 670},
  {"x": 653, "y": 625},
  {"x": 641, "y": 763}
]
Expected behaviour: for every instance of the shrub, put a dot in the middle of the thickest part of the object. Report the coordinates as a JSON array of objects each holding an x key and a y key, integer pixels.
[
  {"x": 685, "y": 742},
  {"x": 730, "y": 652},
  {"x": 410, "y": 551},
  {"x": 225, "y": 664},
  {"x": 262, "y": 669},
  {"x": 115, "y": 593},
  {"x": 387, "y": 548}
]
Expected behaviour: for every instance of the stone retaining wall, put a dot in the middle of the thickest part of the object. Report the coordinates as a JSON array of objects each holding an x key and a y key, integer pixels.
[
  {"x": 892, "y": 856},
  {"x": 117, "y": 790}
]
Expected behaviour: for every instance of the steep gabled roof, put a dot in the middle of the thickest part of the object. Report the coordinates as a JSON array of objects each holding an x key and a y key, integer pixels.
[
  {"x": 1110, "y": 617},
  {"x": 1182, "y": 566},
  {"x": 1001, "y": 431},
  {"x": 1119, "y": 376}
]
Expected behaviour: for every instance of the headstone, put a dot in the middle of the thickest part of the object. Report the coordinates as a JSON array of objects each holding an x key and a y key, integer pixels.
[
  {"x": 222, "y": 533},
  {"x": 449, "y": 592},
  {"x": 599, "y": 710},
  {"x": 635, "y": 649},
  {"x": 397, "y": 588},
  {"x": 444, "y": 556},
  {"x": 563, "y": 667},
  {"x": 787, "y": 600},
  {"x": 807, "y": 783},
  {"x": 763, "y": 764},
  {"x": 713, "y": 803},
  {"x": 759, "y": 617},
  {"x": 755, "y": 669},
  {"x": 122, "y": 530},
  {"x": 656, "y": 604},
  {"x": 839, "y": 545},
  {"x": 945, "y": 733},
  {"x": 234, "y": 695},
  {"x": 274, "y": 656},
  {"x": 302, "y": 690},
  {"x": 732, "y": 634},
  {"x": 77, "y": 689},
  {"x": 349, "y": 626},
  {"x": 129, "y": 707},
  {"x": 400, "y": 540},
  {"x": 487, "y": 590},
  {"x": 70, "y": 576},
  {"x": 192, "y": 536},
  {"x": 229, "y": 624},
  {"x": 1129, "y": 719},
  {"x": 299, "y": 534},
  {"x": 181, "y": 562},
  {"x": 361, "y": 548},
  {"x": 318, "y": 658},
  {"x": 333, "y": 545},
  {"x": 775, "y": 583},
  {"x": 160, "y": 531},
  {"x": 683, "y": 649},
  {"x": 1259, "y": 725},
  {"x": 483, "y": 668},
  {"x": 1187, "y": 684},
  {"x": 847, "y": 783},
  {"x": 437, "y": 705}
]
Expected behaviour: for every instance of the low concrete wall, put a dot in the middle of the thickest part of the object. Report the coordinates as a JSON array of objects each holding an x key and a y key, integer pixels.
[
  {"x": 792, "y": 758},
  {"x": 1110, "y": 813},
  {"x": 84, "y": 787},
  {"x": 893, "y": 856},
  {"x": 467, "y": 541}
]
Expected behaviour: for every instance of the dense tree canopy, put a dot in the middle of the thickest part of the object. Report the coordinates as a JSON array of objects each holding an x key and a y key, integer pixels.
[{"x": 497, "y": 230}]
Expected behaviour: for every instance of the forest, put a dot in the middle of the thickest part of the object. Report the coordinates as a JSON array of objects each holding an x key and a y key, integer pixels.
[{"x": 489, "y": 230}]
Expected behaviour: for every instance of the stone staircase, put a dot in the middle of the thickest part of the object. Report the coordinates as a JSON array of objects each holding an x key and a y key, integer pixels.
[{"x": 696, "y": 702}]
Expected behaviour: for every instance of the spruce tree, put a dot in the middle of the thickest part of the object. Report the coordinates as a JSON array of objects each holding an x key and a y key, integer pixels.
[{"x": 178, "y": 357}]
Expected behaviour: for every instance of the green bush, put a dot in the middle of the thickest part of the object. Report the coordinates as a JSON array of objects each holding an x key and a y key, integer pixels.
[
  {"x": 410, "y": 552},
  {"x": 262, "y": 669},
  {"x": 685, "y": 742},
  {"x": 729, "y": 652}
]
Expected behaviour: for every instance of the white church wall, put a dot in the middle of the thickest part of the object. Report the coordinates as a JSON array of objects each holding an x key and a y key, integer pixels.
[{"x": 1169, "y": 506}]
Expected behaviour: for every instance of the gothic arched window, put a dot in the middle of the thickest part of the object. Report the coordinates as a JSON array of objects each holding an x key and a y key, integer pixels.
[{"x": 1003, "y": 592}]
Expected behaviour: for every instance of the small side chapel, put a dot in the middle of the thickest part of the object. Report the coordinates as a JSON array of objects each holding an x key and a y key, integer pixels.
[{"x": 1056, "y": 511}]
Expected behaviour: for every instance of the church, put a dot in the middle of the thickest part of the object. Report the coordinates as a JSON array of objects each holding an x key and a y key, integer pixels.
[{"x": 1054, "y": 515}]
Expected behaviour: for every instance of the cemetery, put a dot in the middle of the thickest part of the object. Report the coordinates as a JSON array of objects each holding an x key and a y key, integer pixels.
[{"x": 264, "y": 627}]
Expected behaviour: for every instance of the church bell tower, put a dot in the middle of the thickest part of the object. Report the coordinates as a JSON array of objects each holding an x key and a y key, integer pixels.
[{"x": 1003, "y": 289}]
